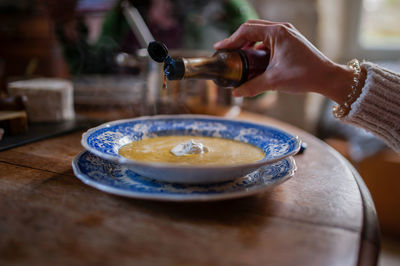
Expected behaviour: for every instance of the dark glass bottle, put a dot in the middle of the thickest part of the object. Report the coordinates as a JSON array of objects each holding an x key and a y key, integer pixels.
[{"x": 227, "y": 68}]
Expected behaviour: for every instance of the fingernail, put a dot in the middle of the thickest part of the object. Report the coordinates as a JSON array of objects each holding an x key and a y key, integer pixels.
[{"x": 217, "y": 44}]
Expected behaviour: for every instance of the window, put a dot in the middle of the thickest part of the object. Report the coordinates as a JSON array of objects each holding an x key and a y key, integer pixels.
[
  {"x": 373, "y": 31},
  {"x": 380, "y": 24}
]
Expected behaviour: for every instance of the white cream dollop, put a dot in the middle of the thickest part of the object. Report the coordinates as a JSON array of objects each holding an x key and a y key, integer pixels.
[{"x": 190, "y": 147}]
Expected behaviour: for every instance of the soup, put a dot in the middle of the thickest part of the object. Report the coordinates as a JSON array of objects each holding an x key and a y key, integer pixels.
[{"x": 217, "y": 151}]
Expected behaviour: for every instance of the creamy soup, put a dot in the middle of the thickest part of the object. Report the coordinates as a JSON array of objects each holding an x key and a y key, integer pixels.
[{"x": 216, "y": 151}]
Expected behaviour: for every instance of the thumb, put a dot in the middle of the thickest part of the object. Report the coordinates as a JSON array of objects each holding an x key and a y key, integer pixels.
[{"x": 254, "y": 86}]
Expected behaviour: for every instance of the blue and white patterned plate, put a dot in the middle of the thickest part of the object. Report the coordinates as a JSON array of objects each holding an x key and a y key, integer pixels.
[
  {"x": 120, "y": 180},
  {"x": 105, "y": 141}
]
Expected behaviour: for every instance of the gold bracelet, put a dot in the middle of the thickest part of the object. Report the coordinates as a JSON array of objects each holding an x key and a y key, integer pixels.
[{"x": 343, "y": 109}]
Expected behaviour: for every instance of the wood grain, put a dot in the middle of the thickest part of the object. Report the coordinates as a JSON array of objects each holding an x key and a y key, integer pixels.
[{"x": 49, "y": 217}]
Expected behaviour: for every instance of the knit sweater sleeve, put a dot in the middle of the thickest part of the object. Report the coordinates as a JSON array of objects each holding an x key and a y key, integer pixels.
[{"x": 377, "y": 109}]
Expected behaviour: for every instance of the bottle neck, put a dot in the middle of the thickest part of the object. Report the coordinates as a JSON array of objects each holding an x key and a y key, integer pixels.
[
  {"x": 225, "y": 68},
  {"x": 202, "y": 67}
]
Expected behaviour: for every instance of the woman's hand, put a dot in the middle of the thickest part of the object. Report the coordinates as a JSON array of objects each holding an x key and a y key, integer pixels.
[{"x": 295, "y": 64}]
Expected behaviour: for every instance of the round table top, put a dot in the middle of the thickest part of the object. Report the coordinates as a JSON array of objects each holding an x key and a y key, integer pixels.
[{"x": 323, "y": 215}]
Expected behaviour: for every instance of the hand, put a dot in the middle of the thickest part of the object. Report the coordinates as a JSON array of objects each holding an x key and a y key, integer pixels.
[{"x": 295, "y": 64}]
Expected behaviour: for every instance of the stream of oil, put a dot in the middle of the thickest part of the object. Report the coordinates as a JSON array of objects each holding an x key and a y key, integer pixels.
[{"x": 164, "y": 85}]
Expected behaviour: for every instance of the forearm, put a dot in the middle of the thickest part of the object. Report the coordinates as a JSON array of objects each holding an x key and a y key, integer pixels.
[{"x": 337, "y": 81}]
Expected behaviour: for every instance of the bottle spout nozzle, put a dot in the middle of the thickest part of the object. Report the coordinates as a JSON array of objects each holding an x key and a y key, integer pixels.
[
  {"x": 158, "y": 51},
  {"x": 174, "y": 68}
]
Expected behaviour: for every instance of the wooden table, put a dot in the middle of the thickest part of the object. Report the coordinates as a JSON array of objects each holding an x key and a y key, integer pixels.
[{"x": 322, "y": 216}]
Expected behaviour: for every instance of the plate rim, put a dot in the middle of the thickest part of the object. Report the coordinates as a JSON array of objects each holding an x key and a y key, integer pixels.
[
  {"x": 132, "y": 163},
  {"x": 178, "y": 198}
]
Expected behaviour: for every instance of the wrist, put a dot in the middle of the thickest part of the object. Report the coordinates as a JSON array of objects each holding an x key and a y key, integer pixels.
[
  {"x": 339, "y": 83},
  {"x": 352, "y": 93}
]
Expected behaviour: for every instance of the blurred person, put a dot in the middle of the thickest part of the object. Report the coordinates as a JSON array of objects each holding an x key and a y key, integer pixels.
[
  {"x": 188, "y": 24},
  {"x": 366, "y": 94}
]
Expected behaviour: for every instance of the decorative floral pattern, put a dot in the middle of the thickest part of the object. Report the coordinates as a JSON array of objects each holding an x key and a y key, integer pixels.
[
  {"x": 117, "y": 179},
  {"x": 105, "y": 141},
  {"x": 108, "y": 138}
]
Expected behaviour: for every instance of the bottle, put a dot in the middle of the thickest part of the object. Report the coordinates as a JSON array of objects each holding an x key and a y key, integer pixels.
[{"x": 228, "y": 68}]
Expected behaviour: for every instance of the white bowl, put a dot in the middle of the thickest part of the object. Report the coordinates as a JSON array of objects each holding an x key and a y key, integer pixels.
[{"x": 105, "y": 141}]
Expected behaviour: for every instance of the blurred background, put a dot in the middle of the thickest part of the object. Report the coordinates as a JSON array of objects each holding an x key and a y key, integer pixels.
[{"x": 88, "y": 57}]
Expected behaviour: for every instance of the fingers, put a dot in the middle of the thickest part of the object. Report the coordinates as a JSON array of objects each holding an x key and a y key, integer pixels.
[
  {"x": 248, "y": 45},
  {"x": 253, "y": 87},
  {"x": 266, "y": 22},
  {"x": 247, "y": 32},
  {"x": 285, "y": 44},
  {"x": 252, "y": 31}
]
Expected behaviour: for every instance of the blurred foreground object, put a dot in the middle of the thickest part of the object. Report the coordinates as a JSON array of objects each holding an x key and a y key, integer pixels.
[
  {"x": 49, "y": 99},
  {"x": 111, "y": 93},
  {"x": 180, "y": 24},
  {"x": 13, "y": 117}
]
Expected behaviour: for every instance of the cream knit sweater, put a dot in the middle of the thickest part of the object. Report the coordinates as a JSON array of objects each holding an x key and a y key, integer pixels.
[{"x": 377, "y": 109}]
